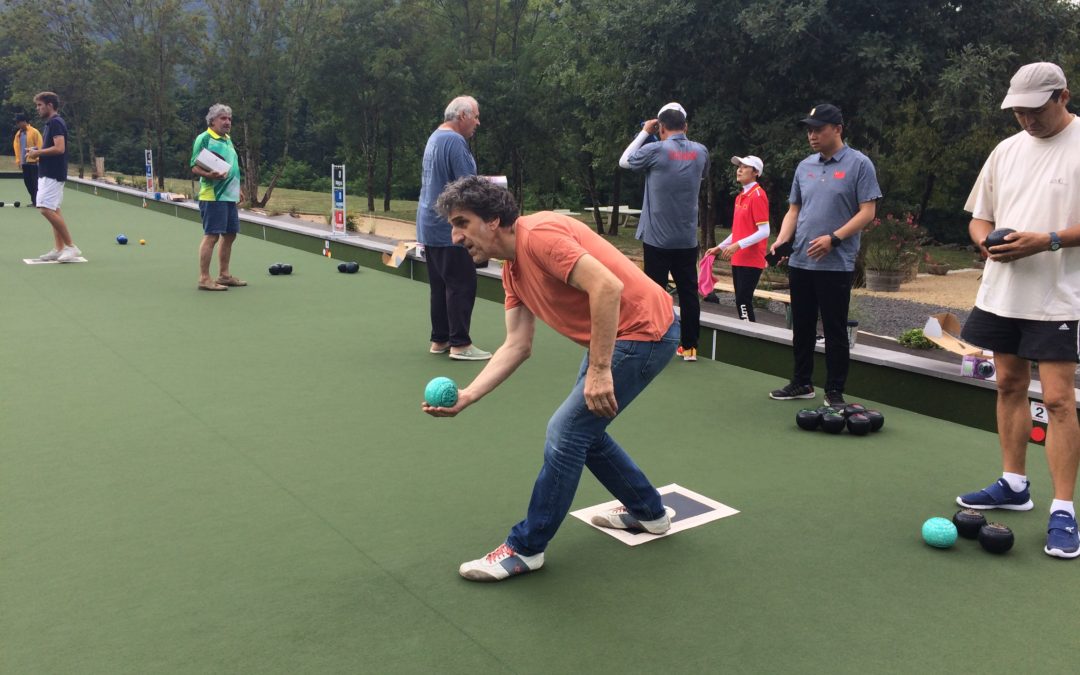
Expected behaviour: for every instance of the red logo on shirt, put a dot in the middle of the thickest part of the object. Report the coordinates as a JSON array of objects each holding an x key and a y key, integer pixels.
[
  {"x": 682, "y": 156},
  {"x": 838, "y": 174}
]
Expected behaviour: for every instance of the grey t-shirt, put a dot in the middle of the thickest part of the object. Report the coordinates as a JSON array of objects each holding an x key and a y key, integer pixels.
[
  {"x": 828, "y": 193},
  {"x": 446, "y": 158},
  {"x": 673, "y": 171}
]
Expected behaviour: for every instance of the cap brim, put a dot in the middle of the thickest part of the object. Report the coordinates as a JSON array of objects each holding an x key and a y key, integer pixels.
[
  {"x": 811, "y": 122},
  {"x": 1034, "y": 100},
  {"x": 736, "y": 160}
]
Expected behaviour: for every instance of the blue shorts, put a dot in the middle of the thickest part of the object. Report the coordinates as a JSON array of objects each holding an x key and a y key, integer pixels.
[{"x": 219, "y": 217}]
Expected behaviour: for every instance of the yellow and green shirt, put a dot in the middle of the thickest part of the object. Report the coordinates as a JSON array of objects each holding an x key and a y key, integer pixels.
[{"x": 228, "y": 189}]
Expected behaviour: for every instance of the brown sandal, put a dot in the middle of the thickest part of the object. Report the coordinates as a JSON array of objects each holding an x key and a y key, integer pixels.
[
  {"x": 231, "y": 281},
  {"x": 212, "y": 287}
]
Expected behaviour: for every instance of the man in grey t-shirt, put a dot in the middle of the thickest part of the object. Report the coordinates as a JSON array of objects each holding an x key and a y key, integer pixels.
[
  {"x": 833, "y": 197},
  {"x": 668, "y": 228},
  {"x": 451, "y": 272}
]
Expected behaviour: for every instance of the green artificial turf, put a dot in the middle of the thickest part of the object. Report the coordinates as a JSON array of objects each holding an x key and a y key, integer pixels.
[{"x": 243, "y": 482}]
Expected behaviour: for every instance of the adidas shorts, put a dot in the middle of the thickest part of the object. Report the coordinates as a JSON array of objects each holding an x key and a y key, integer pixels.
[{"x": 1031, "y": 340}]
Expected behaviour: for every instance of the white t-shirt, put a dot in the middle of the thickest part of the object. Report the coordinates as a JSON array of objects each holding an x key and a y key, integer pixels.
[{"x": 1032, "y": 185}]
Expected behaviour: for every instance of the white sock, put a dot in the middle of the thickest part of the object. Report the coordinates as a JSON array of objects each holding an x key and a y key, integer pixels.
[
  {"x": 1016, "y": 481},
  {"x": 1062, "y": 505}
]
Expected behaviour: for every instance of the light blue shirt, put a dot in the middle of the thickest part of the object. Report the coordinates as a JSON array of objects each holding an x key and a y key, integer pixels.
[
  {"x": 446, "y": 158},
  {"x": 673, "y": 171},
  {"x": 828, "y": 193},
  {"x": 22, "y": 147}
]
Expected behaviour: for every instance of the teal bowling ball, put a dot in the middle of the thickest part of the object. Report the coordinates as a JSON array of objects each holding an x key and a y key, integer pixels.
[
  {"x": 441, "y": 392},
  {"x": 939, "y": 532}
]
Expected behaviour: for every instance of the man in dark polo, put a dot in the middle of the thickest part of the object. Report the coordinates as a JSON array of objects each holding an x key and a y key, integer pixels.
[{"x": 833, "y": 197}]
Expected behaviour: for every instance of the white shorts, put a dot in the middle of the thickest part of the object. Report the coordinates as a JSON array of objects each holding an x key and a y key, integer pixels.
[{"x": 50, "y": 193}]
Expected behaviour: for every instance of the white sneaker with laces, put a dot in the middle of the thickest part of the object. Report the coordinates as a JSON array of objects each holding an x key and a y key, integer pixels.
[
  {"x": 51, "y": 255},
  {"x": 619, "y": 518},
  {"x": 68, "y": 254},
  {"x": 502, "y": 563}
]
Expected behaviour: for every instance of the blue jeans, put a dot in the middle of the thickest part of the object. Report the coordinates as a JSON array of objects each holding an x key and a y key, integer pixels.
[{"x": 577, "y": 438}]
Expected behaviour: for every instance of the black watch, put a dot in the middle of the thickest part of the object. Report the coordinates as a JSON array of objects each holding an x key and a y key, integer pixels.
[
  {"x": 834, "y": 240},
  {"x": 1055, "y": 241}
]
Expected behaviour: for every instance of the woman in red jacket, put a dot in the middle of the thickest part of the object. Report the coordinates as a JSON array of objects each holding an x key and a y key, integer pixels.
[{"x": 745, "y": 247}]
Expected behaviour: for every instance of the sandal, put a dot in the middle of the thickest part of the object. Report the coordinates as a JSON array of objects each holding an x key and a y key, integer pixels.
[
  {"x": 231, "y": 281},
  {"x": 212, "y": 287}
]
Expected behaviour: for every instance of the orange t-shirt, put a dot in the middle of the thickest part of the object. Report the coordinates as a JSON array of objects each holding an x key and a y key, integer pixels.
[{"x": 547, "y": 247}]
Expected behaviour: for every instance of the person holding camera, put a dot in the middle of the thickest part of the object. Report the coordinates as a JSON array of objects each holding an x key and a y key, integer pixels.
[
  {"x": 1028, "y": 306},
  {"x": 673, "y": 169}
]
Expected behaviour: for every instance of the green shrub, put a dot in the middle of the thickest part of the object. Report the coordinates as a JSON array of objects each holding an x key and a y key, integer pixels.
[{"x": 914, "y": 339}]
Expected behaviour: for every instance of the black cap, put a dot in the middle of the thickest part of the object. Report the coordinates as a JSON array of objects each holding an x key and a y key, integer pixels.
[
  {"x": 823, "y": 114},
  {"x": 21, "y": 117}
]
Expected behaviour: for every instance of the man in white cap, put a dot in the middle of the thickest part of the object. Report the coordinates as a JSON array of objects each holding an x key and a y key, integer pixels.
[
  {"x": 668, "y": 227},
  {"x": 1028, "y": 305}
]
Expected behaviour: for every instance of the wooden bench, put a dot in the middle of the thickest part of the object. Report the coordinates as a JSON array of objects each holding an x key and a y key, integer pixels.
[{"x": 772, "y": 296}]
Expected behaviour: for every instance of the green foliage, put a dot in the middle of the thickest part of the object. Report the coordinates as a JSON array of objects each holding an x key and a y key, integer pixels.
[
  {"x": 914, "y": 339},
  {"x": 562, "y": 84}
]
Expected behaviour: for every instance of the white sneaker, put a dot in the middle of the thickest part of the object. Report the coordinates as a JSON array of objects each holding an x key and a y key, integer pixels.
[
  {"x": 68, "y": 254},
  {"x": 51, "y": 255},
  {"x": 620, "y": 519},
  {"x": 500, "y": 564}
]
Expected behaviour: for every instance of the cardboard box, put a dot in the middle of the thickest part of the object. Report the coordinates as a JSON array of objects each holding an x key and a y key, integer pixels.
[
  {"x": 400, "y": 252},
  {"x": 209, "y": 161},
  {"x": 944, "y": 331}
]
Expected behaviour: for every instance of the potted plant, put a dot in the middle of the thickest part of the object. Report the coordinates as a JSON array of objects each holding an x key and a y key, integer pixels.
[{"x": 891, "y": 249}]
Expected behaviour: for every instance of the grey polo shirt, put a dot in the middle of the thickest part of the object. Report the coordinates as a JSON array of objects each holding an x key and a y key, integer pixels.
[
  {"x": 673, "y": 171},
  {"x": 828, "y": 193}
]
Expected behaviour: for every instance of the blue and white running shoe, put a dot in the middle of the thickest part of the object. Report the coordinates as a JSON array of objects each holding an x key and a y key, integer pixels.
[{"x": 998, "y": 496}]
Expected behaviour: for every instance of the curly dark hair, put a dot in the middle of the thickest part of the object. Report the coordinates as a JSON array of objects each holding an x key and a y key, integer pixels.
[{"x": 482, "y": 197}]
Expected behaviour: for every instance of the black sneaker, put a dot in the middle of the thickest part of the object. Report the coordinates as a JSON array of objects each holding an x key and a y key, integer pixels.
[
  {"x": 791, "y": 391},
  {"x": 835, "y": 398}
]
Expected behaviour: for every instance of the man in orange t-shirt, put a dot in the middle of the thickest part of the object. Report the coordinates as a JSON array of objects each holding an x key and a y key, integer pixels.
[{"x": 579, "y": 284}]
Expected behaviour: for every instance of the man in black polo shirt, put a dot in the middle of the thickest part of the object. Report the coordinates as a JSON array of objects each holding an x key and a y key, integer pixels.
[{"x": 52, "y": 172}]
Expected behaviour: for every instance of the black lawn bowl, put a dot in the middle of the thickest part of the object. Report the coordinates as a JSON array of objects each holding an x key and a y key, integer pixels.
[
  {"x": 997, "y": 237},
  {"x": 808, "y": 419},
  {"x": 968, "y": 522},
  {"x": 995, "y": 537},
  {"x": 858, "y": 424},
  {"x": 853, "y": 408},
  {"x": 877, "y": 420},
  {"x": 832, "y": 423}
]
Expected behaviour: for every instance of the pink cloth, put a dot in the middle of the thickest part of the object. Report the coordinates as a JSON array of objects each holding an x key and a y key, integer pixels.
[{"x": 706, "y": 280}]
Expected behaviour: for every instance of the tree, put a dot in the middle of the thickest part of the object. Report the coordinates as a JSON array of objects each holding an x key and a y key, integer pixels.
[{"x": 150, "y": 41}]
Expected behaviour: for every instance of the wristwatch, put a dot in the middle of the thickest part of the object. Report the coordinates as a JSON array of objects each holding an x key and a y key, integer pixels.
[
  {"x": 1055, "y": 241},
  {"x": 834, "y": 240}
]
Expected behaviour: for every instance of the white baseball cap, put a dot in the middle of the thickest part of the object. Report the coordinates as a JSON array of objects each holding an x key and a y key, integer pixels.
[
  {"x": 672, "y": 106},
  {"x": 1032, "y": 85},
  {"x": 751, "y": 161}
]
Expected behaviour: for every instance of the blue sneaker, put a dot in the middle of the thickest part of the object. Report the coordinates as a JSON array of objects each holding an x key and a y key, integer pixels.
[
  {"x": 1062, "y": 540},
  {"x": 998, "y": 496}
]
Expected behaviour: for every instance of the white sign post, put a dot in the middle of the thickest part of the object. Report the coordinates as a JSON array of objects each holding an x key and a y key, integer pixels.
[
  {"x": 149, "y": 170},
  {"x": 337, "y": 180}
]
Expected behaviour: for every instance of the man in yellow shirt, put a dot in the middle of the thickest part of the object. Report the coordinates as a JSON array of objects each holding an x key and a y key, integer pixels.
[{"x": 27, "y": 136}]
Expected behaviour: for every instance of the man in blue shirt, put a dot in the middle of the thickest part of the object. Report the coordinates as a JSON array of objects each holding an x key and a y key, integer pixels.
[
  {"x": 668, "y": 227},
  {"x": 451, "y": 271},
  {"x": 833, "y": 197},
  {"x": 52, "y": 173}
]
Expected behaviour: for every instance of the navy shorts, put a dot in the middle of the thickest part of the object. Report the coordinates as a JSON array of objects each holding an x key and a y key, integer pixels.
[
  {"x": 219, "y": 217},
  {"x": 1031, "y": 340}
]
